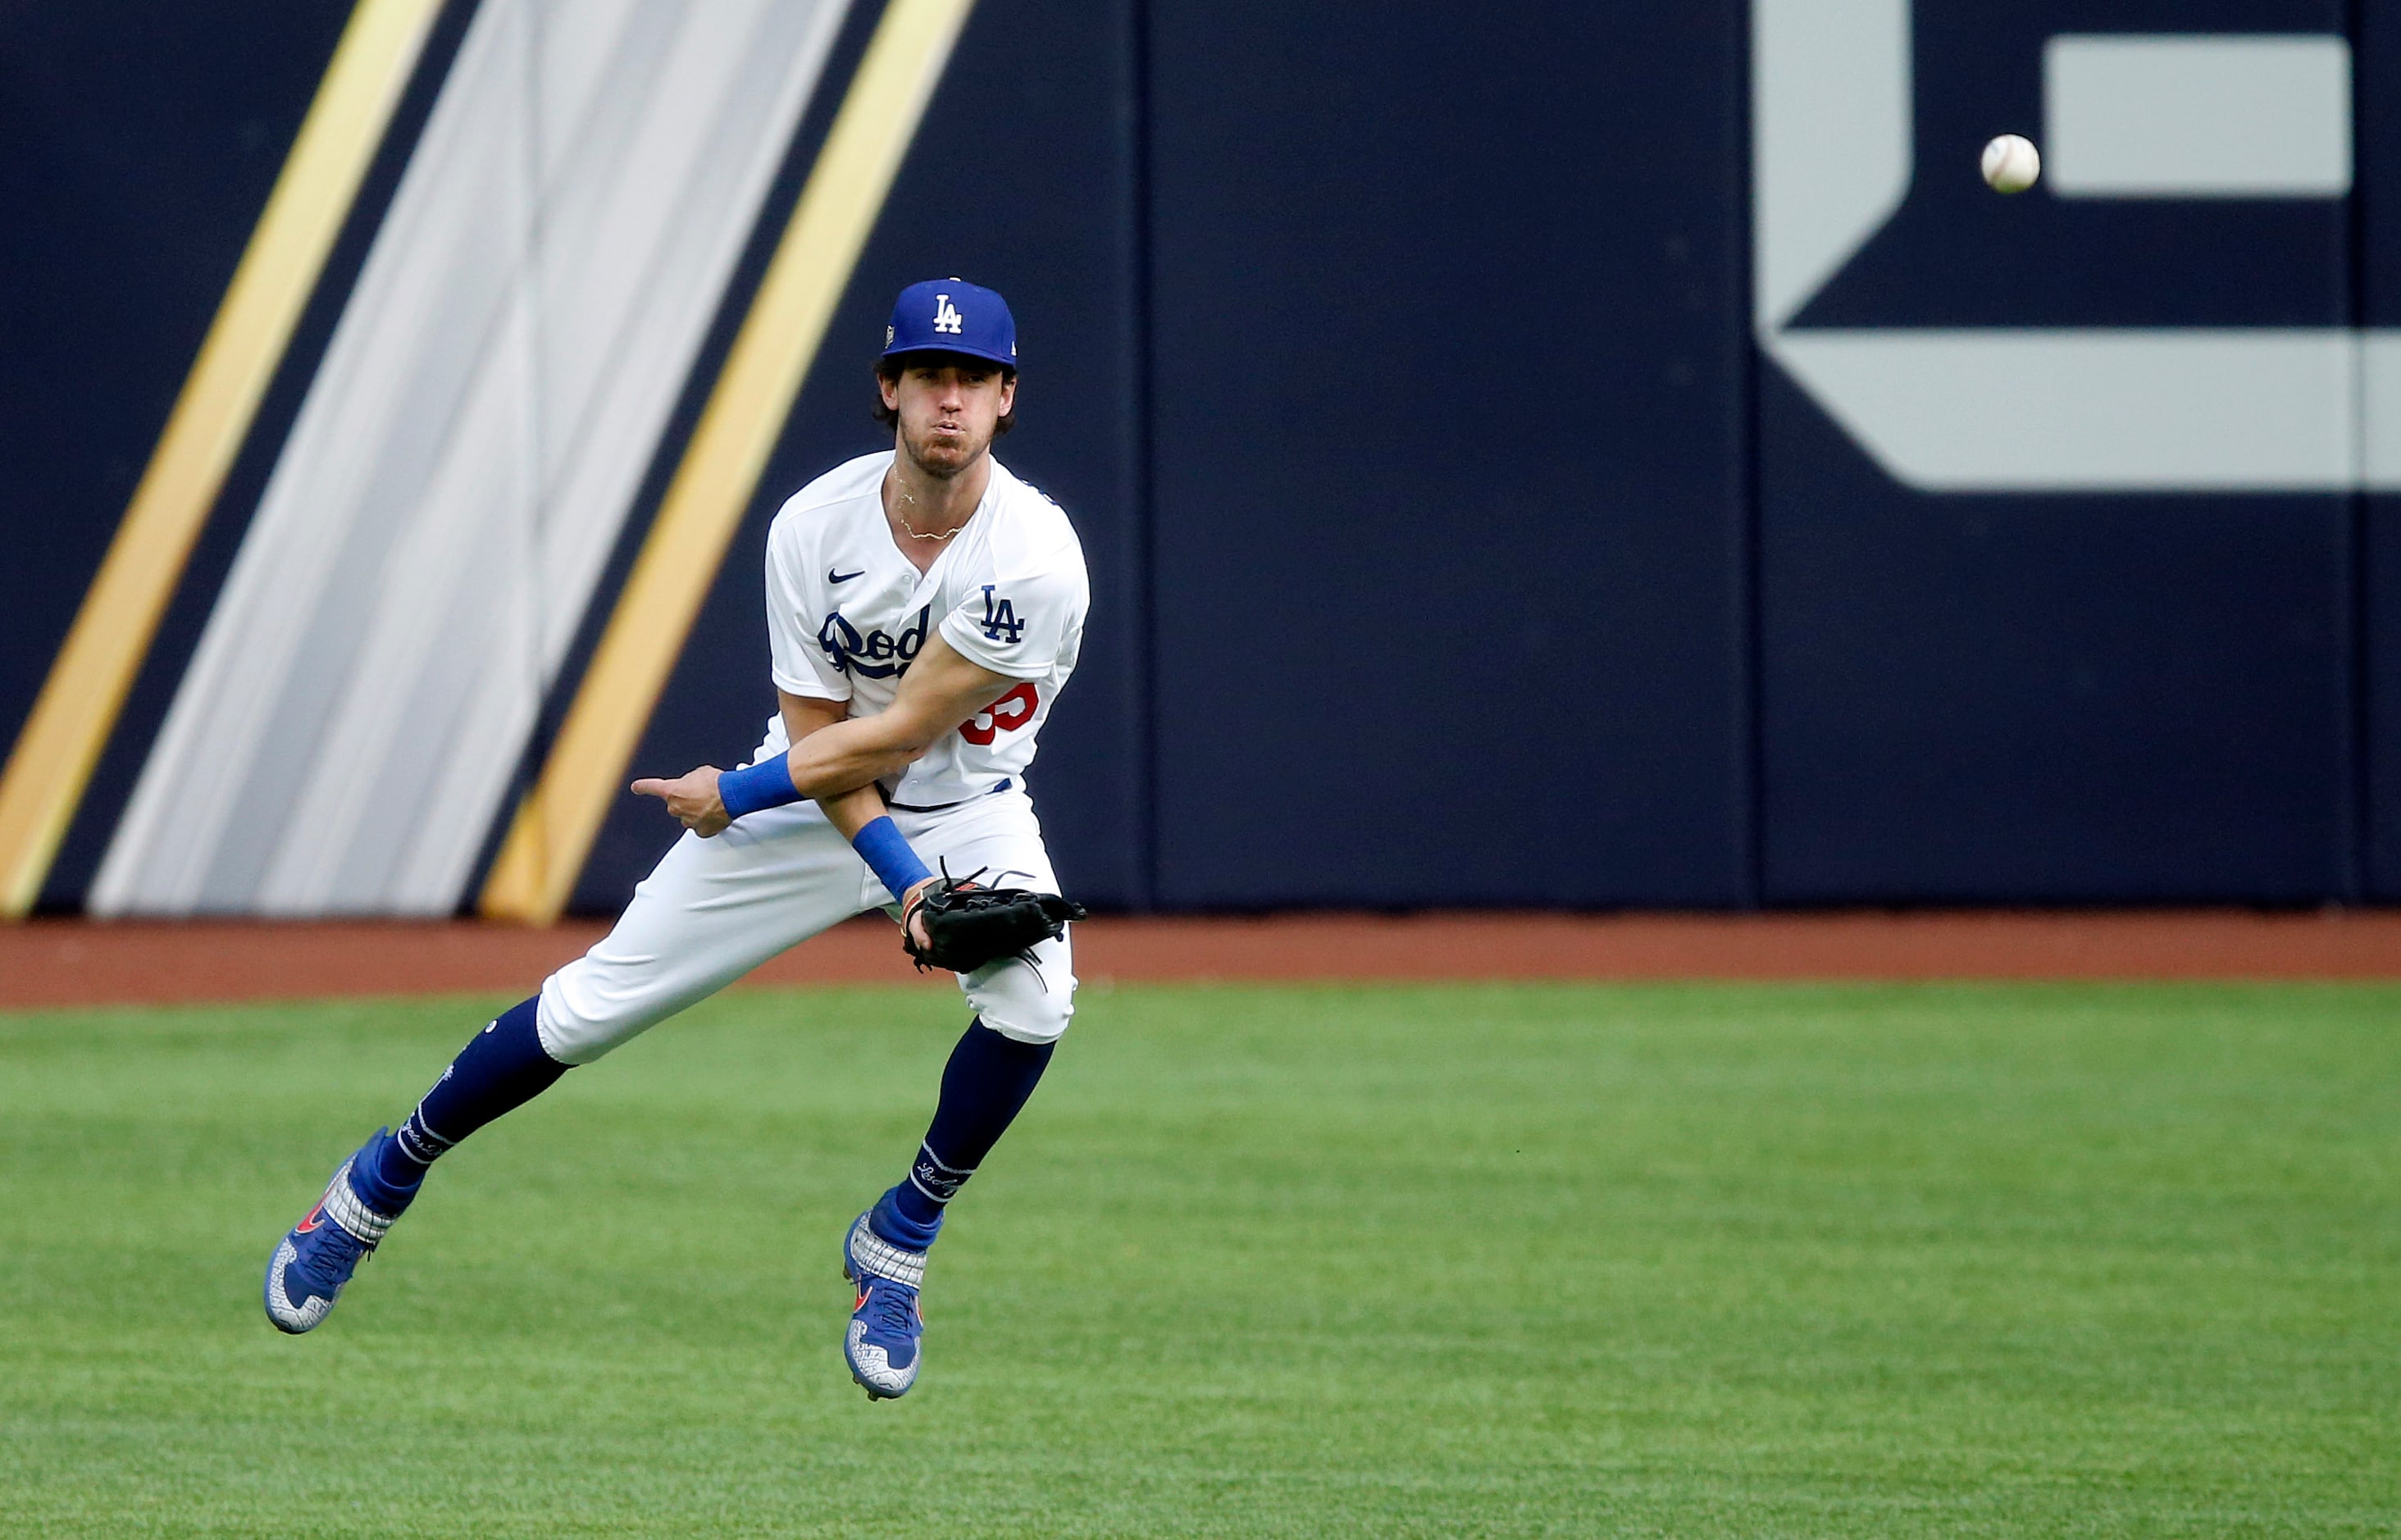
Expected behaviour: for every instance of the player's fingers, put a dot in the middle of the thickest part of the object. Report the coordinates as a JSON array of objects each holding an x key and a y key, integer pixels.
[{"x": 650, "y": 786}]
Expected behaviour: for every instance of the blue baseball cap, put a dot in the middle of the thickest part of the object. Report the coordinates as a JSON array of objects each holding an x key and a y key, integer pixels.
[{"x": 953, "y": 316}]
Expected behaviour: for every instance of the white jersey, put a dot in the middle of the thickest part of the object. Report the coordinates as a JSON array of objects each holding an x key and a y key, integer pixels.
[{"x": 847, "y": 612}]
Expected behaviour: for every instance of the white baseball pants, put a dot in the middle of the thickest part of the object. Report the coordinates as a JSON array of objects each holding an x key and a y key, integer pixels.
[{"x": 714, "y": 909}]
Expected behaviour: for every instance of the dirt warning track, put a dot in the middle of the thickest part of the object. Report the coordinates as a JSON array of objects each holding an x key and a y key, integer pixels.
[{"x": 71, "y": 962}]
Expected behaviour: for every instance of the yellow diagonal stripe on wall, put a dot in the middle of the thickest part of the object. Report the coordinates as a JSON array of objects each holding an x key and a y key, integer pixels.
[
  {"x": 555, "y": 825},
  {"x": 71, "y": 718}
]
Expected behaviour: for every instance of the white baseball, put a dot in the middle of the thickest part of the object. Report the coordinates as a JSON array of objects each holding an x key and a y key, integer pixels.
[{"x": 2011, "y": 163}]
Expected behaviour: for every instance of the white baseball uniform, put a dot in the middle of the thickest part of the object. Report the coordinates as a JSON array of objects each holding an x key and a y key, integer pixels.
[{"x": 846, "y": 612}]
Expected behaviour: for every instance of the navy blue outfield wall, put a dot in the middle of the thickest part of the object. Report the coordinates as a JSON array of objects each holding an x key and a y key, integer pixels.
[
  {"x": 1447, "y": 455},
  {"x": 1468, "y": 437},
  {"x": 1973, "y": 695},
  {"x": 2377, "y": 578}
]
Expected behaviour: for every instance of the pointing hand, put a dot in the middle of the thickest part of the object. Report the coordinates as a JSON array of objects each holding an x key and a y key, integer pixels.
[{"x": 692, "y": 797}]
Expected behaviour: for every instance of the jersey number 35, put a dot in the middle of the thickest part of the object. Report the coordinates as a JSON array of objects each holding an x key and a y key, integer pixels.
[{"x": 1007, "y": 714}]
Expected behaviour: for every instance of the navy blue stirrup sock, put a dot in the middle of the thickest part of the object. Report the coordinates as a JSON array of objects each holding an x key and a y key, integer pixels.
[
  {"x": 983, "y": 1087},
  {"x": 501, "y": 1068}
]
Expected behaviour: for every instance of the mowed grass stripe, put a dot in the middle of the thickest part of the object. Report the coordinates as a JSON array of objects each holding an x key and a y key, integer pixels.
[{"x": 1481, "y": 1260}]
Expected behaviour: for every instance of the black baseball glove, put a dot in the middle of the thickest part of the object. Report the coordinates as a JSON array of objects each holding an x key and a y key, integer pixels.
[{"x": 968, "y": 927}]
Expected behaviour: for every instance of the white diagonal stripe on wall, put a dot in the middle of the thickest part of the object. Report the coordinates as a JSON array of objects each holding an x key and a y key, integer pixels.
[{"x": 466, "y": 457}]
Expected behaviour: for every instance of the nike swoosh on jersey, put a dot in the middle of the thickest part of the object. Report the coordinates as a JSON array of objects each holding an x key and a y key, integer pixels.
[{"x": 832, "y": 576}]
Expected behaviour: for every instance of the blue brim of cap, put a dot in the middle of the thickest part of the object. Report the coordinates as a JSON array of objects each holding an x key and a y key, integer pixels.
[{"x": 949, "y": 348}]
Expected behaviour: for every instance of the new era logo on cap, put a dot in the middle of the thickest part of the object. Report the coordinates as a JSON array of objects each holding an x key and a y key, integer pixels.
[{"x": 953, "y": 316}]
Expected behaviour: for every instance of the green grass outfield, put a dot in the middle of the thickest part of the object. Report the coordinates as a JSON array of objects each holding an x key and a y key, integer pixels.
[{"x": 1475, "y": 1260}]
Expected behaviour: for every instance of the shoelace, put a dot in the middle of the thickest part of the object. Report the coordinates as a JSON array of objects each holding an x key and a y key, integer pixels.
[
  {"x": 339, "y": 1246},
  {"x": 890, "y": 1309}
]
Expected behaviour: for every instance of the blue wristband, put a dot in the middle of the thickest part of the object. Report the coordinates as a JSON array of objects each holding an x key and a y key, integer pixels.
[
  {"x": 765, "y": 784},
  {"x": 885, "y": 850}
]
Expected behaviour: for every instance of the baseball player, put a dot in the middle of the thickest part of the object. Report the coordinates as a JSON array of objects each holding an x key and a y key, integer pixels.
[{"x": 923, "y": 611}]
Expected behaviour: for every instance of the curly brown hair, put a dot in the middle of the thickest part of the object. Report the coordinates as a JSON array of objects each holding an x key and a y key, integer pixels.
[{"x": 888, "y": 372}]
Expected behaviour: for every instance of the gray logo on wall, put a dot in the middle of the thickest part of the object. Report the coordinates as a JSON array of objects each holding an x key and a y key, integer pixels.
[{"x": 2125, "y": 116}]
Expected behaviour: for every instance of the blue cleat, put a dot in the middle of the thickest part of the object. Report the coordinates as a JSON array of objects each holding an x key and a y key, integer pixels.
[
  {"x": 309, "y": 1266},
  {"x": 886, "y": 1322}
]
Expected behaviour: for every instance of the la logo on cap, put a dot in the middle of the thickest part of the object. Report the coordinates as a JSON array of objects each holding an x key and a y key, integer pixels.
[{"x": 946, "y": 315}]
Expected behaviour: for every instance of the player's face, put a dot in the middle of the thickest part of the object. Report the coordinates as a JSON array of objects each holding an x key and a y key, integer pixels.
[{"x": 949, "y": 409}]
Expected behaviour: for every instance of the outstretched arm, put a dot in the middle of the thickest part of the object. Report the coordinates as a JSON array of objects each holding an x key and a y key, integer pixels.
[
  {"x": 696, "y": 797},
  {"x": 804, "y": 717},
  {"x": 836, "y": 757},
  {"x": 940, "y": 691}
]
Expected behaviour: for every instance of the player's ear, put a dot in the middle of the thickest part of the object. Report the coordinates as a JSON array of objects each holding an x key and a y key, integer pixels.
[
  {"x": 1007, "y": 392},
  {"x": 888, "y": 387}
]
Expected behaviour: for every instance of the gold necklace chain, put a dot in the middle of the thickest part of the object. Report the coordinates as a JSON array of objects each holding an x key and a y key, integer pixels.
[{"x": 909, "y": 529}]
